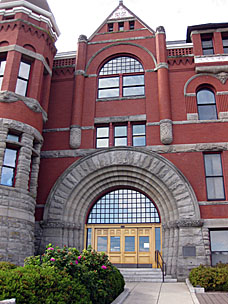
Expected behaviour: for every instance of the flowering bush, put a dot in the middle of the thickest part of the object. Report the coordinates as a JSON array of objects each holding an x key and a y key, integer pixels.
[{"x": 102, "y": 280}]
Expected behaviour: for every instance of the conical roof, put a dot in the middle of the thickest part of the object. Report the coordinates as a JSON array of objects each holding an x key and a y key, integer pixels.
[{"x": 40, "y": 3}]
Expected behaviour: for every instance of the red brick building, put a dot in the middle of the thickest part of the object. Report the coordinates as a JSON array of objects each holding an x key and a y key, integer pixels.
[{"x": 128, "y": 136}]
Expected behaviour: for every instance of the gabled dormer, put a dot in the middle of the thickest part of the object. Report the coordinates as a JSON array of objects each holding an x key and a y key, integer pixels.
[{"x": 122, "y": 22}]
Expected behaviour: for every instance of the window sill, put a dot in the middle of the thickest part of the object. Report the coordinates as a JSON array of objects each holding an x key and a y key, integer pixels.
[{"x": 121, "y": 98}]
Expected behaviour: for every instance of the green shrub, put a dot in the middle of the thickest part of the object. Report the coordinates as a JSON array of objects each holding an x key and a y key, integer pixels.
[
  {"x": 38, "y": 285},
  {"x": 103, "y": 281},
  {"x": 211, "y": 278},
  {"x": 7, "y": 265}
]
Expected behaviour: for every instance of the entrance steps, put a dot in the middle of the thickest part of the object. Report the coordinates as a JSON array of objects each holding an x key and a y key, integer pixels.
[{"x": 145, "y": 275}]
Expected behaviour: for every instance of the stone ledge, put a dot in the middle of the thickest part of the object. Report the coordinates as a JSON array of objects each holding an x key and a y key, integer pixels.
[
  {"x": 193, "y": 289},
  {"x": 12, "y": 301},
  {"x": 122, "y": 297}
]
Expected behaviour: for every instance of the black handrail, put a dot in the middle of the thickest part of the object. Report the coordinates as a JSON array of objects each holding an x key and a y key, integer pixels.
[{"x": 161, "y": 264}]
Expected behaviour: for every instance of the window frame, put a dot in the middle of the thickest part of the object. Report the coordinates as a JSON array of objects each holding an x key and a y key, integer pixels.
[
  {"x": 11, "y": 145},
  {"x": 215, "y": 253},
  {"x": 131, "y": 25},
  {"x": 207, "y": 49},
  {"x": 2, "y": 69},
  {"x": 110, "y": 27},
  {"x": 102, "y": 137},
  {"x": 121, "y": 68},
  {"x": 225, "y": 42},
  {"x": 214, "y": 176},
  {"x": 138, "y": 135},
  {"x": 206, "y": 104},
  {"x": 22, "y": 78},
  {"x": 116, "y": 137}
]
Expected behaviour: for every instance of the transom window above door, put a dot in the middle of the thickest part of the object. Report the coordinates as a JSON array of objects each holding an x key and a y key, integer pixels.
[
  {"x": 121, "y": 77},
  {"x": 123, "y": 206}
]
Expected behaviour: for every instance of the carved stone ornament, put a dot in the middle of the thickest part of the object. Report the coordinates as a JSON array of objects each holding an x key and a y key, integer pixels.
[
  {"x": 223, "y": 76},
  {"x": 166, "y": 131},
  {"x": 75, "y": 137}
]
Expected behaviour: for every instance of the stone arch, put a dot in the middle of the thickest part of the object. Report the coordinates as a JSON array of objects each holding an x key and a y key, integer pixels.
[{"x": 85, "y": 180}]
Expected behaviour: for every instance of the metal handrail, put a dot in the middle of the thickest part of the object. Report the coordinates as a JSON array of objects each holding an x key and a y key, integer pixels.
[{"x": 161, "y": 264}]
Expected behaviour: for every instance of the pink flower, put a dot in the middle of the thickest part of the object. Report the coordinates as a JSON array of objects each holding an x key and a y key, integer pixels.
[
  {"x": 79, "y": 258},
  {"x": 76, "y": 262},
  {"x": 103, "y": 267},
  {"x": 50, "y": 248},
  {"x": 52, "y": 259}
]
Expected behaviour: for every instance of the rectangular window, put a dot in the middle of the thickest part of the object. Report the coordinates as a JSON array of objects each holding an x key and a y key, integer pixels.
[
  {"x": 133, "y": 85},
  {"x": 139, "y": 135},
  {"x": 214, "y": 176},
  {"x": 110, "y": 27},
  {"x": 23, "y": 78},
  {"x": 2, "y": 70},
  {"x": 102, "y": 138},
  {"x": 9, "y": 162},
  {"x": 131, "y": 25},
  {"x": 121, "y": 26},
  {"x": 219, "y": 246},
  {"x": 225, "y": 43},
  {"x": 207, "y": 44},
  {"x": 120, "y": 136},
  {"x": 108, "y": 87}
]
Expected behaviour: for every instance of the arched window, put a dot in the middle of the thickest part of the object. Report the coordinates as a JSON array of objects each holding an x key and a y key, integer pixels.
[
  {"x": 206, "y": 104},
  {"x": 123, "y": 206},
  {"x": 121, "y": 77}
]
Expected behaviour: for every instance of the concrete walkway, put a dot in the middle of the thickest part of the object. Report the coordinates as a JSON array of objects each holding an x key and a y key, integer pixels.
[{"x": 158, "y": 293}]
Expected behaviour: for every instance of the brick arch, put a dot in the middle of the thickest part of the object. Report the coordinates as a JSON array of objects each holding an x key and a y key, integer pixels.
[
  {"x": 73, "y": 193},
  {"x": 117, "y": 48},
  {"x": 85, "y": 180}
]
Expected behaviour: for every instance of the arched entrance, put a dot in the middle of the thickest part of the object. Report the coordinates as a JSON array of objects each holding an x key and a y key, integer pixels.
[
  {"x": 125, "y": 224},
  {"x": 90, "y": 177}
]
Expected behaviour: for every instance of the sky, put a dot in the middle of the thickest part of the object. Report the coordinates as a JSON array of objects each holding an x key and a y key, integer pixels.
[{"x": 76, "y": 17}]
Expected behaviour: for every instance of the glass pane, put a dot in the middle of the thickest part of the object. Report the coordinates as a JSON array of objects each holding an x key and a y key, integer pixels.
[
  {"x": 24, "y": 70},
  {"x": 219, "y": 257},
  {"x": 120, "y": 142},
  {"x": 121, "y": 131},
  {"x": 111, "y": 82},
  {"x": 102, "y": 143},
  {"x": 133, "y": 80},
  {"x": 1, "y": 79},
  {"x": 225, "y": 41},
  {"x": 129, "y": 243},
  {"x": 139, "y": 129},
  {"x": 102, "y": 243},
  {"x": 205, "y": 97},
  {"x": 21, "y": 87},
  {"x": 115, "y": 243},
  {"x": 215, "y": 188},
  {"x": 219, "y": 240},
  {"x": 103, "y": 132},
  {"x": 144, "y": 244},
  {"x": 157, "y": 239},
  {"x": 108, "y": 93},
  {"x": 133, "y": 91},
  {"x": 89, "y": 237},
  {"x": 213, "y": 165},
  {"x": 208, "y": 51},
  {"x": 2, "y": 67},
  {"x": 7, "y": 176},
  {"x": 13, "y": 137},
  {"x": 10, "y": 158},
  {"x": 207, "y": 43},
  {"x": 139, "y": 141},
  {"x": 207, "y": 112}
]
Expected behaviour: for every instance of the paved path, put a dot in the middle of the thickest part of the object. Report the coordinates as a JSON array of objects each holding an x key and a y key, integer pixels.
[
  {"x": 158, "y": 293},
  {"x": 213, "y": 298}
]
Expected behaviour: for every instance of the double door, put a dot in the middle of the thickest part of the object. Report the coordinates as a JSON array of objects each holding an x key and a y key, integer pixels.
[{"x": 128, "y": 246}]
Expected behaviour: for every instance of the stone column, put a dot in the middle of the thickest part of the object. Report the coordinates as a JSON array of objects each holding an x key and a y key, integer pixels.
[
  {"x": 35, "y": 170},
  {"x": 24, "y": 162}
]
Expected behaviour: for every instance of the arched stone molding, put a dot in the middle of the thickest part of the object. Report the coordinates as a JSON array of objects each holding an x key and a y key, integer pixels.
[
  {"x": 84, "y": 181},
  {"x": 120, "y": 48}
]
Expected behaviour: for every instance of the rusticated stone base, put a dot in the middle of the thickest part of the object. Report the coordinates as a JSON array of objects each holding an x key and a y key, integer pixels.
[{"x": 16, "y": 225}]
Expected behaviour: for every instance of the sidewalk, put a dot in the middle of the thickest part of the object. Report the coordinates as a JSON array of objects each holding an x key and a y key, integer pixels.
[{"x": 158, "y": 293}]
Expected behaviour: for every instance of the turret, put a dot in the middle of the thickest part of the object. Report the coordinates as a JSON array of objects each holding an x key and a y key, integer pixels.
[{"x": 28, "y": 33}]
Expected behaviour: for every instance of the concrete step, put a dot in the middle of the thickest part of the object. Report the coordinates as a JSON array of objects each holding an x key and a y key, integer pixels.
[{"x": 145, "y": 275}]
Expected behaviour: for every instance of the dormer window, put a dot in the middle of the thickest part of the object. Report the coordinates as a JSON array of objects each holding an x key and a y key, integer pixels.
[
  {"x": 225, "y": 43},
  {"x": 131, "y": 25},
  {"x": 121, "y": 26},
  {"x": 110, "y": 27},
  {"x": 207, "y": 44}
]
